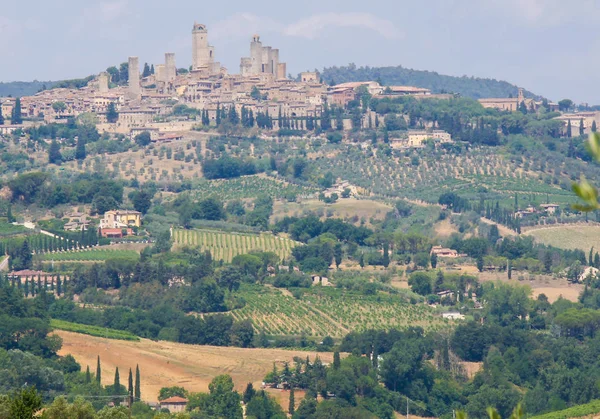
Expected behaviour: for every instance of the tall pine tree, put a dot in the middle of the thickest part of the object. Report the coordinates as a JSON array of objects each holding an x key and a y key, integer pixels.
[{"x": 130, "y": 387}]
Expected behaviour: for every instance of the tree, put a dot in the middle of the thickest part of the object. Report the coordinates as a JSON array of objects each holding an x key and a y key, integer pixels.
[
  {"x": 146, "y": 71},
  {"x": 565, "y": 104},
  {"x": 117, "y": 381},
  {"x": 142, "y": 200},
  {"x": 248, "y": 393},
  {"x": 480, "y": 263},
  {"x": 54, "y": 156},
  {"x": 420, "y": 283},
  {"x": 80, "y": 152},
  {"x": 88, "y": 375},
  {"x": 229, "y": 277},
  {"x": 581, "y": 127},
  {"x": 167, "y": 392},
  {"x": 16, "y": 116},
  {"x": 336, "y": 360},
  {"x": 138, "y": 393},
  {"x": 112, "y": 115},
  {"x": 386, "y": 255},
  {"x": 337, "y": 254},
  {"x": 130, "y": 386},
  {"x": 433, "y": 260},
  {"x": 25, "y": 403},
  {"x": 98, "y": 372},
  {"x": 569, "y": 129},
  {"x": 594, "y": 127},
  {"x": 143, "y": 139},
  {"x": 1, "y": 119},
  {"x": 292, "y": 404},
  {"x": 361, "y": 260},
  {"x": 59, "y": 107}
]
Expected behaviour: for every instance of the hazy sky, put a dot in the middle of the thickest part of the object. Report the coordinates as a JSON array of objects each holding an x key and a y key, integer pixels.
[{"x": 551, "y": 47}]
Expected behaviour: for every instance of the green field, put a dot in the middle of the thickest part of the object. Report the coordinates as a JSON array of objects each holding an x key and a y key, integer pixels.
[
  {"x": 331, "y": 312},
  {"x": 226, "y": 245},
  {"x": 588, "y": 409},
  {"x": 7, "y": 229},
  {"x": 90, "y": 255},
  {"x": 247, "y": 187},
  {"x": 578, "y": 236},
  {"x": 102, "y": 332}
]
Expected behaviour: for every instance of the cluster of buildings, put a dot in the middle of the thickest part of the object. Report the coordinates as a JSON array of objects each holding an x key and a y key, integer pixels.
[
  {"x": 261, "y": 86},
  {"x": 119, "y": 223},
  {"x": 544, "y": 209}
]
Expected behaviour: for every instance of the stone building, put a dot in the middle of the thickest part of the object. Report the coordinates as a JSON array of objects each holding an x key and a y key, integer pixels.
[
  {"x": 263, "y": 59},
  {"x": 134, "y": 77},
  {"x": 203, "y": 54}
]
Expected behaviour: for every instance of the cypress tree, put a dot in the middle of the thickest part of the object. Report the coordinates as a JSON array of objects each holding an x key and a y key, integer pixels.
[
  {"x": 88, "y": 375},
  {"x": 16, "y": 117},
  {"x": 130, "y": 387},
  {"x": 581, "y": 127},
  {"x": 569, "y": 129},
  {"x": 117, "y": 383},
  {"x": 26, "y": 289},
  {"x": 58, "y": 286},
  {"x": 1, "y": 119},
  {"x": 594, "y": 127},
  {"x": 54, "y": 156},
  {"x": 98, "y": 372},
  {"x": 292, "y": 405},
  {"x": 80, "y": 152},
  {"x": 138, "y": 393},
  {"x": 336, "y": 360}
]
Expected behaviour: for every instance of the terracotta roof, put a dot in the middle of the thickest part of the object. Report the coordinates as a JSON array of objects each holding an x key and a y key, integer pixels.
[{"x": 174, "y": 399}]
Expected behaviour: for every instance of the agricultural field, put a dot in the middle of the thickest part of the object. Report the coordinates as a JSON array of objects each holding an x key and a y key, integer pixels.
[
  {"x": 7, "y": 229},
  {"x": 468, "y": 173},
  {"x": 164, "y": 364},
  {"x": 247, "y": 187},
  {"x": 590, "y": 410},
  {"x": 577, "y": 236},
  {"x": 226, "y": 245},
  {"x": 347, "y": 209},
  {"x": 90, "y": 255},
  {"x": 330, "y": 312}
]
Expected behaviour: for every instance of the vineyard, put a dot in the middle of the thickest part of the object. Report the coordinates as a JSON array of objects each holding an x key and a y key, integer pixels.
[
  {"x": 331, "y": 312},
  {"x": 248, "y": 187},
  {"x": 102, "y": 332},
  {"x": 225, "y": 246},
  {"x": 90, "y": 255}
]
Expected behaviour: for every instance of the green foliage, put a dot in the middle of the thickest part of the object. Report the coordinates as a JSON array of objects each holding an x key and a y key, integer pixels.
[{"x": 92, "y": 330}]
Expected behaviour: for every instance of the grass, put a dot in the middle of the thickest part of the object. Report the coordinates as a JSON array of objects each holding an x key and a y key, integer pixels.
[
  {"x": 90, "y": 255},
  {"x": 7, "y": 229},
  {"x": 587, "y": 409},
  {"x": 331, "y": 312},
  {"x": 93, "y": 330},
  {"x": 226, "y": 245},
  {"x": 582, "y": 237}
]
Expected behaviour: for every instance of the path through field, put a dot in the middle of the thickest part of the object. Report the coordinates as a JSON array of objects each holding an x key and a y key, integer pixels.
[{"x": 164, "y": 364}]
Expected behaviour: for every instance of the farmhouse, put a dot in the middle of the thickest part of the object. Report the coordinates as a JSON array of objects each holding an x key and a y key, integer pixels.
[
  {"x": 174, "y": 404},
  {"x": 115, "y": 233},
  {"x": 443, "y": 252},
  {"x": 589, "y": 272},
  {"x": 121, "y": 219},
  {"x": 550, "y": 209}
]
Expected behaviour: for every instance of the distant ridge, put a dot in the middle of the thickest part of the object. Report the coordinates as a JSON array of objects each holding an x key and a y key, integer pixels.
[
  {"x": 23, "y": 88},
  {"x": 473, "y": 87}
]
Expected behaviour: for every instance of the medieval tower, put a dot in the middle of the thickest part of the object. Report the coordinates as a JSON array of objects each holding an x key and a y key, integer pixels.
[
  {"x": 134, "y": 76},
  {"x": 202, "y": 53}
]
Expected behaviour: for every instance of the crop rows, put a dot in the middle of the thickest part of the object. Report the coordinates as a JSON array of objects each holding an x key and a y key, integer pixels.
[
  {"x": 225, "y": 246},
  {"x": 248, "y": 187},
  {"x": 332, "y": 314},
  {"x": 98, "y": 331}
]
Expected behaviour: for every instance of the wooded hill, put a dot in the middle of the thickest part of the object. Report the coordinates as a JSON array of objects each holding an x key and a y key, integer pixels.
[{"x": 473, "y": 87}]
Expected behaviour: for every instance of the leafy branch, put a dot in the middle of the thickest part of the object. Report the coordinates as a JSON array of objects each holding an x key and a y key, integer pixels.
[{"x": 585, "y": 190}]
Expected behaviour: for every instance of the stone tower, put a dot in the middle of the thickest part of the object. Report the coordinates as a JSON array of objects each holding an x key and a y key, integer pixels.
[
  {"x": 202, "y": 53},
  {"x": 103, "y": 82},
  {"x": 256, "y": 54},
  {"x": 134, "y": 77},
  {"x": 170, "y": 68},
  {"x": 520, "y": 97}
]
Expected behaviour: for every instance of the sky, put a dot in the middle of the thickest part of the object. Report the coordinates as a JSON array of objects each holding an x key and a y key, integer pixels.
[{"x": 550, "y": 47}]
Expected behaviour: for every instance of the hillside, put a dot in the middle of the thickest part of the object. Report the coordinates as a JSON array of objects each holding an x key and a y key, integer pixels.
[
  {"x": 473, "y": 87},
  {"x": 23, "y": 88}
]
